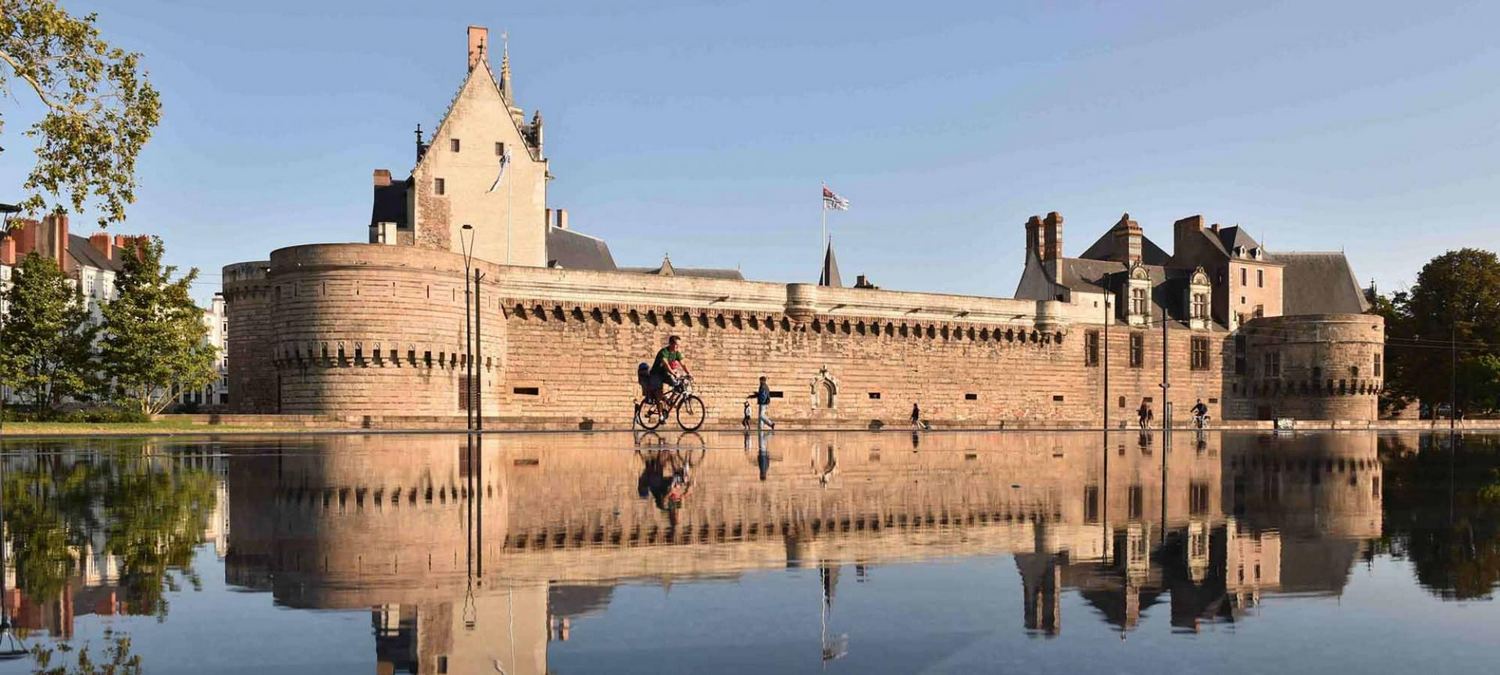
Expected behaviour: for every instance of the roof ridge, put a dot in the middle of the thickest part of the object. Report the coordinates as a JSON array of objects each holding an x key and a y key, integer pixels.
[{"x": 453, "y": 103}]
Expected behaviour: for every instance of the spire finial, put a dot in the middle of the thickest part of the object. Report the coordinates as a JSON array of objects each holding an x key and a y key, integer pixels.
[{"x": 505, "y": 67}]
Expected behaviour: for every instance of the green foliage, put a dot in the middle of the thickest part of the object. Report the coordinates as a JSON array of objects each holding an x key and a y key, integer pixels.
[
  {"x": 151, "y": 515},
  {"x": 1442, "y": 512},
  {"x": 118, "y": 660},
  {"x": 153, "y": 345},
  {"x": 94, "y": 415},
  {"x": 1456, "y": 297},
  {"x": 99, "y": 108},
  {"x": 46, "y": 336}
]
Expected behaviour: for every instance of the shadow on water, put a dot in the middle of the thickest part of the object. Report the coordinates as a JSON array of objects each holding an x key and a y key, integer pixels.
[{"x": 442, "y": 540}]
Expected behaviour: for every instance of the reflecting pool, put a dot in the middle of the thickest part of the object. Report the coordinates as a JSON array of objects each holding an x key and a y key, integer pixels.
[{"x": 787, "y": 552}]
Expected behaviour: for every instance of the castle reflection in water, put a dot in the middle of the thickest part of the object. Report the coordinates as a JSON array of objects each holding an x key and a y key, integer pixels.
[{"x": 441, "y": 537}]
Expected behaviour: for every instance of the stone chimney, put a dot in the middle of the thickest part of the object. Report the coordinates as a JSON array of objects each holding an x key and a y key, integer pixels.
[
  {"x": 1034, "y": 236},
  {"x": 1186, "y": 232},
  {"x": 1129, "y": 242},
  {"x": 382, "y": 178},
  {"x": 52, "y": 239},
  {"x": 101, "y": 243},
  {"x": 562, "y": 219},
  {"x": 479, "y": 43},
  {"x": 1052, "y": 244}
]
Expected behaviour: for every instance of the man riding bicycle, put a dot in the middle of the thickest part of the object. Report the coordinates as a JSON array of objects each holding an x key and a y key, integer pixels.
[
  {"x": 1200, "y": 414},
  {"x": 663, "y": 370}
]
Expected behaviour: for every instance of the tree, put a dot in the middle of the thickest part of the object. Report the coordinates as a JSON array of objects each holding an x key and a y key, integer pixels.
[
  {"x": 99, "y": 108},
  {"x": 46, "y": 335},
  {"x": 1456, "y": 296},
  {"x": 153, "y": 343}
]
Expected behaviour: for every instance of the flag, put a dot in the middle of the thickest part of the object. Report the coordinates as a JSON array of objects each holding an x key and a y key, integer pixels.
[
  {"x": 833, "y": 201},
  {"x": 504, "y": 162}
]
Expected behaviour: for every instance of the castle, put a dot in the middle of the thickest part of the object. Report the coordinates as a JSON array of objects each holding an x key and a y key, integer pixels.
[{"x": 378, "y": 330}]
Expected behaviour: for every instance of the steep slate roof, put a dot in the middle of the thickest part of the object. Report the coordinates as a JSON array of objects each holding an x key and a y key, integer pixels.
[
  {"x": 1319, "y": 283},
  {"x": 829, "y": 276},
  {"x": 573, "y": 251},
  {"x": 83, "y": 253},
  {"x": 1104, "y": 249},
  {"x": 669, "y": 270},
  {"x": 1236, "y": 236},
  {"x": 390, "y": 204}
]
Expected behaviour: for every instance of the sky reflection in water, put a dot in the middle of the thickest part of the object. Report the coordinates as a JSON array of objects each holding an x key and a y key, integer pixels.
[{"x": 852, "y": 552}]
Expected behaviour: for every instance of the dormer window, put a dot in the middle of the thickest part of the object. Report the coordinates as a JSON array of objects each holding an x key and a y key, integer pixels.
[
  {"x": 1200, "y": 306},
  {"x": 1138, "y": 301},
  {"x": 1197, "y": 298}
]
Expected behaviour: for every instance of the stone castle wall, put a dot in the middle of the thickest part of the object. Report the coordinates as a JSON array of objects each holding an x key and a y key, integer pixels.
[{"x": 378, "y": 330}]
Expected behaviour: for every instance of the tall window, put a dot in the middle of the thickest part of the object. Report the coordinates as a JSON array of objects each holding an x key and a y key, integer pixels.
[
  {"x": 1239, "y": 355},
  {"x": 1200, "y": 353},
  {"x": 1091, "y": 348},
  {"x": 439, "y": 186},
  {"x": 1260, "y": 278},
  {"x": 1200, "y": 305},
  {"x": 1138, "y": 301},
  {"x": 1244, "y": 276},
  {"x": 1137, "y": 350},
  {"x": 1377, "y": 365},
  {"x": 1273, "y": 364}
]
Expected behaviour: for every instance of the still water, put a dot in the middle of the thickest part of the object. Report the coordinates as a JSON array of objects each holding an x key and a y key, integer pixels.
[{"x": 792, "y": 552}]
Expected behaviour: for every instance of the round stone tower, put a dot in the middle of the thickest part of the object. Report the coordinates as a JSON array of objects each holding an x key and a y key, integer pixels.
[{"x": 1315, "y": 366}]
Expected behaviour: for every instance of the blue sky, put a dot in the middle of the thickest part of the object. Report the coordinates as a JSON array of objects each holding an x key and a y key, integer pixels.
[{"x": 703, "y": 129}]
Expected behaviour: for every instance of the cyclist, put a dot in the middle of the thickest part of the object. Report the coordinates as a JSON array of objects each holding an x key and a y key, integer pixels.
[
  {"x": 1200, "y": 414},
  {"x": 663, "y": 369}
]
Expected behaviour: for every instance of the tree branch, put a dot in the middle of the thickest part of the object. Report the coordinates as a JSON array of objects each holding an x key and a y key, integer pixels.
[{"x": 41, "y": 92}]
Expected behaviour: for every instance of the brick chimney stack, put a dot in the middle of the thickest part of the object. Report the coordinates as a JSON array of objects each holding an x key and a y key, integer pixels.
[
  {"x": 1186, "y": 232},
  {"x": 1052, "y": 244},
  {"x": 52, "y": 240},
  {"x": 382, "y": 178},
  {"x": 1034, "y": 236},
  {"x": 101, "y": 243},
  {"x": 562, "y": 219},
  {"x": 1129, "y": 242},
  {"x": 7, "y": 249},
  {"x": 479, "y": 44}
]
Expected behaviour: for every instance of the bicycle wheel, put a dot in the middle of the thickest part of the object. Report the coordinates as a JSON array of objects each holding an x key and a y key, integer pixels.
[
  {"x": 691, "y": 412},
  {"x": 648, "y": 416}
]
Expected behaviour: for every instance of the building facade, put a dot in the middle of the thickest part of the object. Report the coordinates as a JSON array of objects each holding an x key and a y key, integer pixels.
[{"x": 378, "y": 329}]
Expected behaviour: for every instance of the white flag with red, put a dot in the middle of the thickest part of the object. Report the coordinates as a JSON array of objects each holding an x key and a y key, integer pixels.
[{"x": 833, "y": 202}]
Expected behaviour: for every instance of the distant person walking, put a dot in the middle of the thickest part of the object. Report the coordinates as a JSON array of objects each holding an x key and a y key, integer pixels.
[
  {"x": 762, "y": 398},
  {"x": 745, "y": 421},
  {"x": 1144, "y": 414},
  {"x": 916, "y": 416}
]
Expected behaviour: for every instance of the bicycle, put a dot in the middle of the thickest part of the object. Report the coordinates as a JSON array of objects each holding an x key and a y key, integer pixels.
[{"x": 680, "y": 399}]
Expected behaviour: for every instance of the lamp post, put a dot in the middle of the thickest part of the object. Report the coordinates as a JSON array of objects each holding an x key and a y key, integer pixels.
[{"x": 465, "y": 237}]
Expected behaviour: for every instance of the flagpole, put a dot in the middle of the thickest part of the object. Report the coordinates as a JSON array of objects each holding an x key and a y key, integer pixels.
[{"x": 507, "y": 216}]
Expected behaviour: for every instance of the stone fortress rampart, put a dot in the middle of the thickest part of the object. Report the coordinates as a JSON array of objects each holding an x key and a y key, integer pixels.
[{"x": 379, "y": 330}]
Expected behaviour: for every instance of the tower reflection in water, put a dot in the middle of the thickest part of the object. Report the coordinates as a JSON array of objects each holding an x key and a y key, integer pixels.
[{"x": 476, "y": 556}]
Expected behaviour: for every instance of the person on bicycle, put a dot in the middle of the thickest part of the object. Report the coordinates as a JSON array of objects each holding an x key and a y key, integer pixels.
[
  {"x": 663, "y": 369},
  {"x": 1200, "y": 413}
]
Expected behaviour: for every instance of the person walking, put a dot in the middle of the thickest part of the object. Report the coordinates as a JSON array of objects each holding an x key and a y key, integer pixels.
[
  {"x": 745, "y": 421},
  {"x": 762, "y": 398},
  {"x": 916, "y": 416},
  {"x": 1143, "y": 414}
]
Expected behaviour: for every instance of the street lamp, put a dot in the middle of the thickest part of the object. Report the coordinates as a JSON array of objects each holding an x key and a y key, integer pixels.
[{"x": 465, "y": 237}]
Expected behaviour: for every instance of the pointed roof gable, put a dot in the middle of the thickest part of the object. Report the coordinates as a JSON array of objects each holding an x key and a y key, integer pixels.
[
  {"x": 1236, "y": 237},
  {"x": 829, "y": 276},
  {"x": 482, "y": 69}
]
